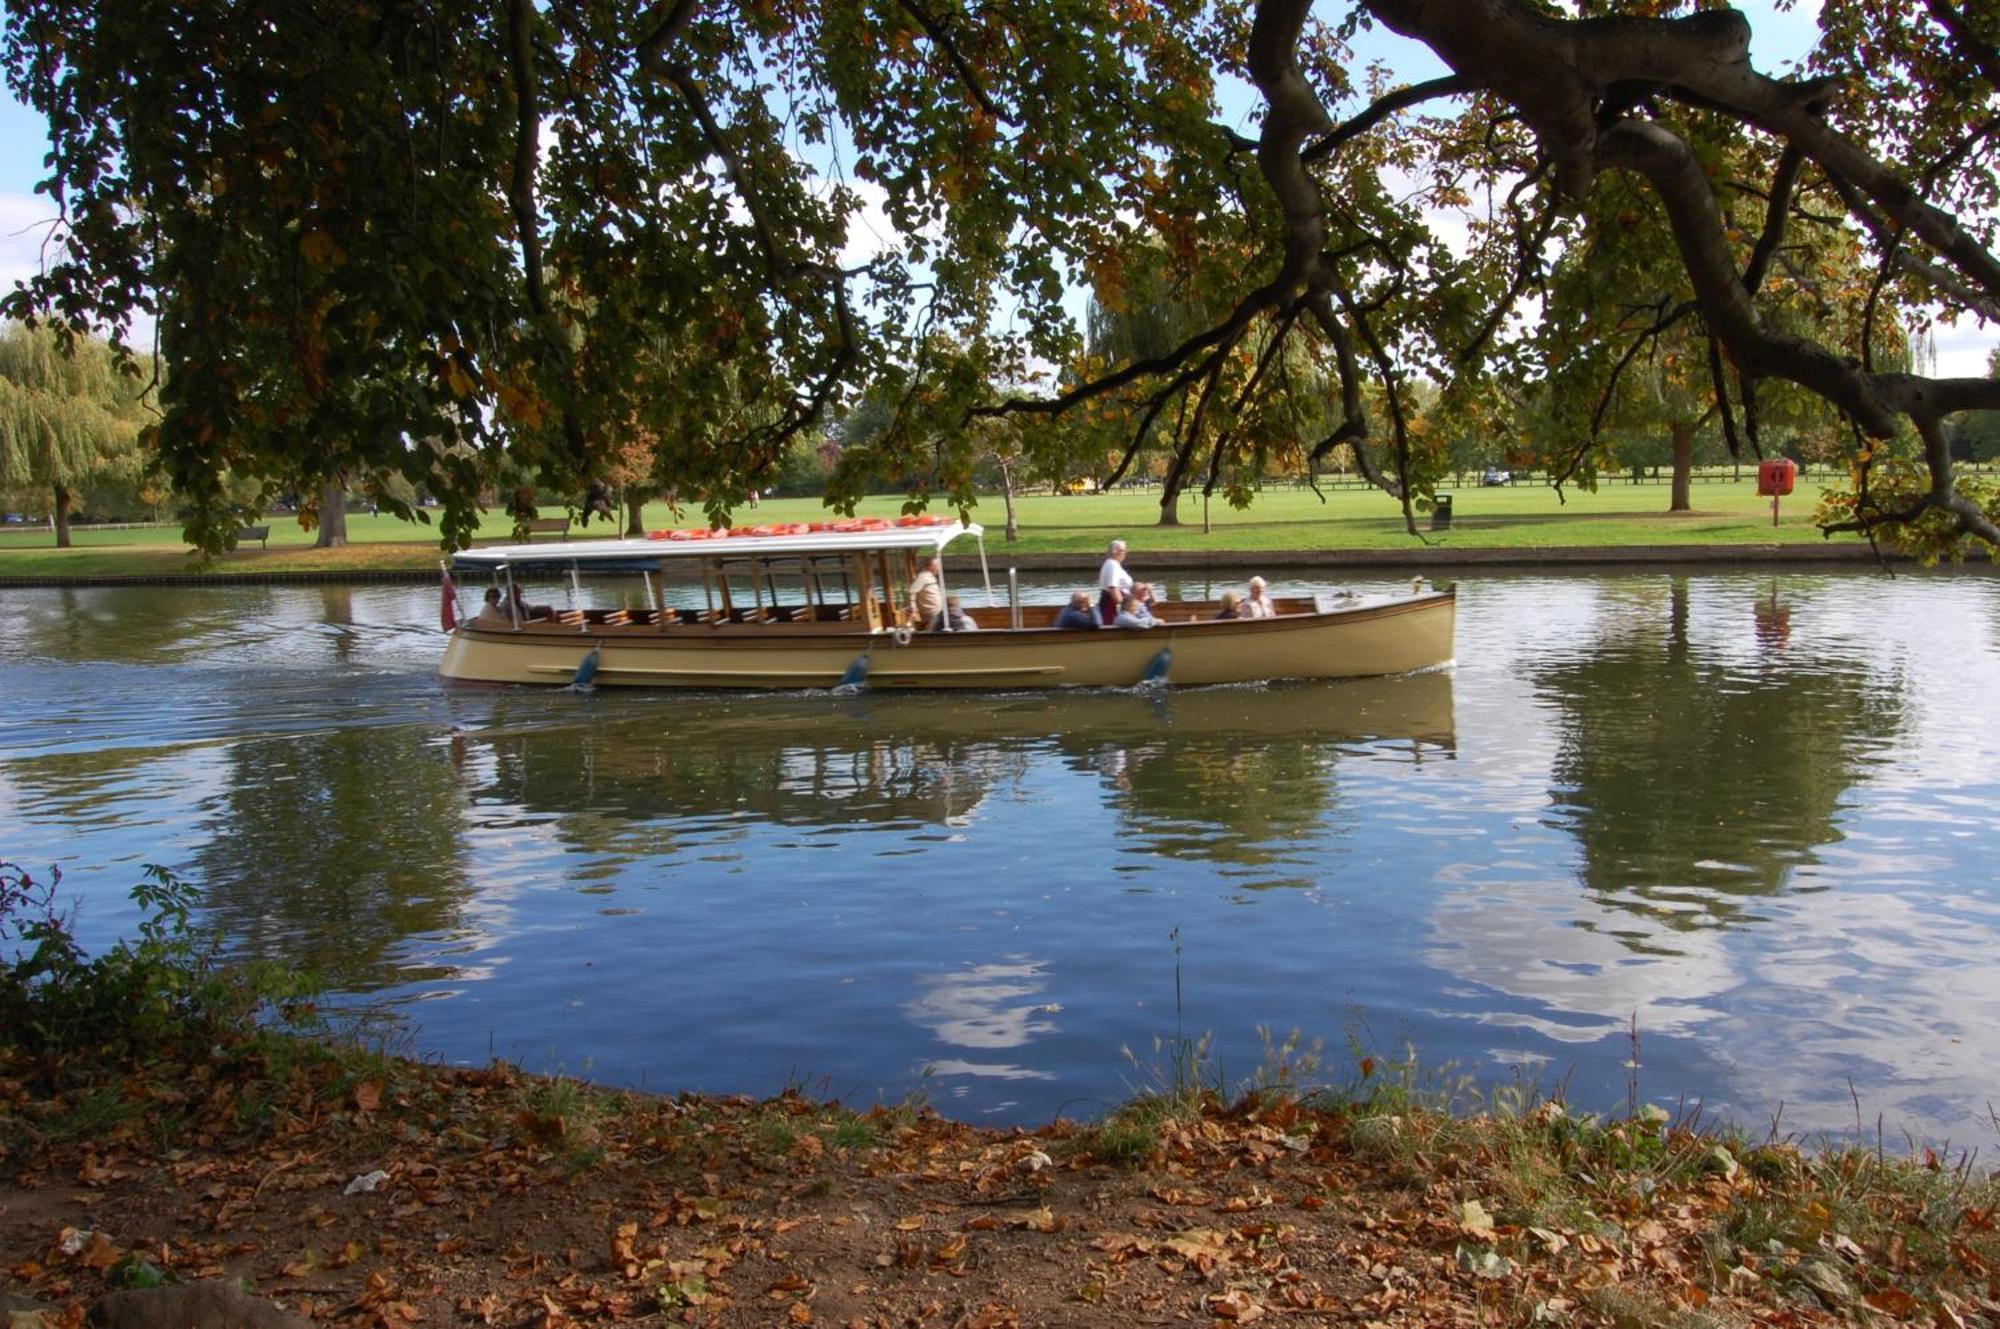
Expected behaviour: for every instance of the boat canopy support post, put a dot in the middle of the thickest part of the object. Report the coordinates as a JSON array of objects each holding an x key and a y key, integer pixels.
[
  {"x": 987, "y": 573},
  {"x": 457, "y": 592},
  {"x": 513, "y": 596},
  {"x": 1014, "y": 597},
  {"x": 576, "y": 594}
]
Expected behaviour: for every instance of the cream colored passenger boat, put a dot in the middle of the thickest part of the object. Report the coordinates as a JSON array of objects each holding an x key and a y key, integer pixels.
[{"x": 801, "y": 606}]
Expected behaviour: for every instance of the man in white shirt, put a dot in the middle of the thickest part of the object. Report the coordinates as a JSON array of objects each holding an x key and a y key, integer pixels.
[{"x": 1114, "y": 583}]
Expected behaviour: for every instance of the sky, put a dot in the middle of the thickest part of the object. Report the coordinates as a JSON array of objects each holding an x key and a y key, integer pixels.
[{"x": 1780, "y": 38}]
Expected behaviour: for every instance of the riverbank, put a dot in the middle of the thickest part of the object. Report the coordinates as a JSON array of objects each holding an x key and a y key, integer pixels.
[
  {"x": 362, "y": 1190},
  {"x": 1501, "y": 526},
  {"x": 1428, "y": 560}
]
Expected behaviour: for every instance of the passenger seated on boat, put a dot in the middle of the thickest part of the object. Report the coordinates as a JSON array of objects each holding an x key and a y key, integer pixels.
[
  {"x": 1134, "y": 614},
  {"x": 493, "y": 614},
  {"x": 1258, "y": 605},
  {"x": 953, "y": 618},
  {"x": 527, "y": 611},
  {"x": 1232, "y": 605},
  {"x": 1079, "y": 613},
  {"x": 927, "y": 591}
]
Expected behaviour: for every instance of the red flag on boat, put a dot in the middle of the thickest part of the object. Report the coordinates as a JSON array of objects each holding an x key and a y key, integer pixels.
[{"x": 448, "y": 608}]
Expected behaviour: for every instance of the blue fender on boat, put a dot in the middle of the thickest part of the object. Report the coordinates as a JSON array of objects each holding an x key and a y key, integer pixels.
[
  {"x": 1156, "y": 672},
  {"x": 588, "y": 669},
  {"x": 857, "y": 673}
]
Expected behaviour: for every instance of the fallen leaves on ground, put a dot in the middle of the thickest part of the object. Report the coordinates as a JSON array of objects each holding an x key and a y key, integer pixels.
[{"x": 513, "y": 1201}]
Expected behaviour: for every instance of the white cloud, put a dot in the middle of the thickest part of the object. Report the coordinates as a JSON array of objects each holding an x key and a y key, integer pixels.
[
  {"x": 31, "y": 238},
  {"x": 1962, "y": 350},
  {"x": 869, "y": 230}
]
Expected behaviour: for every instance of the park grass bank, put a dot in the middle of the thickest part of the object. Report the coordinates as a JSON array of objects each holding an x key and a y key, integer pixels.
[{"x": 1491, "y": 527}]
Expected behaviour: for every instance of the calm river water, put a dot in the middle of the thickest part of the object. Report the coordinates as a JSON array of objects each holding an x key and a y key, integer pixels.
[{"x": 1752, "y": 815}]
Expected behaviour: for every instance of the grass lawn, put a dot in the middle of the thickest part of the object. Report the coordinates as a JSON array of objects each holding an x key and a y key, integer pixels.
[{"x": 1515, "y": 516}]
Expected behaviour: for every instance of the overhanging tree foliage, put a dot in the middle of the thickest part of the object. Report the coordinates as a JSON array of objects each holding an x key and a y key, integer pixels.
[{"x": 362, "y": 222}]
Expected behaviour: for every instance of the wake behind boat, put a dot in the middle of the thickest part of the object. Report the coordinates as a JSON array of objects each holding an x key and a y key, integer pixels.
[{"x": 807, "y": 605}]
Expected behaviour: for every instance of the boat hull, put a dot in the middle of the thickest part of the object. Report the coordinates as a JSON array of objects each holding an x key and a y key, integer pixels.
[{"x": 1390, "y": 636}]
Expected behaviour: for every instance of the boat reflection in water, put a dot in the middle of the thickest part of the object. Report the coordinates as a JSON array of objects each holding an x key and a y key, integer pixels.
[
  {"x": 823, "y": 871},
  {"x": 933, "y": 758}
]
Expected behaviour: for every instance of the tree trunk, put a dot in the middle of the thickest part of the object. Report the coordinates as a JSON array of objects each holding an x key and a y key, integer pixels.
[
  {"x": 59, "y": 515},
  {"x": 635, "y": 514},
  {"x": 332, "y": 516},
  {"x": 1683, "y": 466},
  {"x": 1007, "y": 496}
]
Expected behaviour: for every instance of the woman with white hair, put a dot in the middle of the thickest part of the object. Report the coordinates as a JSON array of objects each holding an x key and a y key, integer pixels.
[
  {"x": 1114, "y": 583},
  {"x": 1257, "y": 604}
]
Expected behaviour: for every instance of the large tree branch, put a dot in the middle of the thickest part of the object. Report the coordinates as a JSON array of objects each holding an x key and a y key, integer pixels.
[
  {"x": 1392, "y": 394},
  {"x": 1975, "y": 50},
  {"x": 527, "y": 219},
  {"x": 671, "y": 21},
  {"x": 1885, "y": 235},
  {"x": 1697, "y": 223},
  {"x": 1295, "y": 113},
  {"x": 1272, "y": 347},
  {"x": 527, "y": 149},
  {"x": 1353, "y": 427},
  {"x": 1557, "y": 70},
  {"x": 1264, "y": 297},
  {"x": 1527, "y": 266},
  {"x": 1666, "y": 320},
  {"x": 968, "y": 77},
  {"x": 1718, "y": 378},
  {"x": 1777, "y": 210},
  {"x": 1416, "y": 94}
]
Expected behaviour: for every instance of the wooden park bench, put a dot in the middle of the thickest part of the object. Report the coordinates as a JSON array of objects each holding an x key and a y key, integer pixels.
[
  {"x": 261, "y": 534},
  {"x": 556, "y": 526}
]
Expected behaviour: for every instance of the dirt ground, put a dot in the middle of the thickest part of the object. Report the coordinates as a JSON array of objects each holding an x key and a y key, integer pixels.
[{"x": 506, "y": 1200}]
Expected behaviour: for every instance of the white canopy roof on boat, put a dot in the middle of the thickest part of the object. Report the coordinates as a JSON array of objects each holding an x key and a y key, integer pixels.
[{"x": 723, "y": 545}]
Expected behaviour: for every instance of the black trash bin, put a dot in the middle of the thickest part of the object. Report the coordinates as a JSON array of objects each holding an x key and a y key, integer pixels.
[{"x": 1441, "y": 513}]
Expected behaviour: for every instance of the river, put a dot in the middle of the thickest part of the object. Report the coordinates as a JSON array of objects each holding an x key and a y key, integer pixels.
[{"x": 1746, "y": 820}]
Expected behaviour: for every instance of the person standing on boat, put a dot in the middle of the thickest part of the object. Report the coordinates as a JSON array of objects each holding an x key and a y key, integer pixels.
[
  {"x": 1259, "y": 604},
  {"x": 927, "y": 592},
  {"x": 1078, "y": 613},
  {"x": 1114, "y": 583}
]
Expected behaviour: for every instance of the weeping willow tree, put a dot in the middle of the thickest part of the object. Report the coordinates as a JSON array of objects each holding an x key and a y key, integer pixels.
[{"x": 66, "y": 416}]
